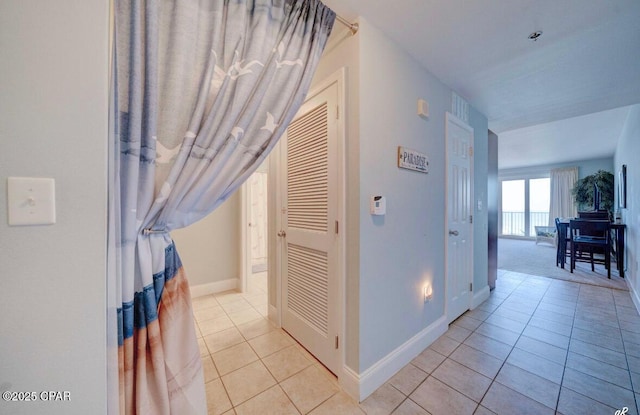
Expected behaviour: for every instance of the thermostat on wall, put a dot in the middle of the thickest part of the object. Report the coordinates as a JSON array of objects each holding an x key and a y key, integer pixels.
[{"x": 378, "y": 205}]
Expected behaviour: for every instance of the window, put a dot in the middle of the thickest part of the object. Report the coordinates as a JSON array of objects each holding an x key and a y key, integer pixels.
[
  {"x": 524, "y": 205},
  {"x": 539, "y": 194},
  {"x": 513, "y": 202}
]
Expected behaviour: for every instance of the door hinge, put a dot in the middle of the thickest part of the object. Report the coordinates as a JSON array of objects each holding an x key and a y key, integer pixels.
[
  {"x": 470, "y": 218},
  {"x": 337, "y": 112},
  {"x": 337, "y": 342},
  {"x": 470, "y": 151},
  {"x": 337, "y": 227},
  {"x": 471, "y": 286}
]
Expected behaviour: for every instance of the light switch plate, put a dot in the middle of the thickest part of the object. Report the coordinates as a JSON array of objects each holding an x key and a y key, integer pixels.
[{"x": 31, "y": 201}]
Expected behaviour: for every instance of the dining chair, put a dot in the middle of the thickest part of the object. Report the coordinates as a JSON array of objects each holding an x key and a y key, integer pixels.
[
  {"x": 589, "y": 237},
  {"x": 563, "y": 247},
  {"x": 594, "y": 215}
]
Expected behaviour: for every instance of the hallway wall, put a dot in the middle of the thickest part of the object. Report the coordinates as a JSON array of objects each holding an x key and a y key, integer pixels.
[
  {"x": 405, "y": 249},
  {"x": 480, "y": 200},
  {"x": 210, "y": 248},
  {"x": 627, "y": 153},
  {"x": 53, "y": 123},
  {"x": 390, "y": 258}
]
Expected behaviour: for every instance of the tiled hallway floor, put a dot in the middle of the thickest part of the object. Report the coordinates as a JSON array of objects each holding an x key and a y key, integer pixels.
[
  {"x": 536, "y": 346},
  {"x": 251, "y": 367}
]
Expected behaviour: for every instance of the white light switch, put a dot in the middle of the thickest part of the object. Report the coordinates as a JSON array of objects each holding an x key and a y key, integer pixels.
[{"x": 31, "y": 201}]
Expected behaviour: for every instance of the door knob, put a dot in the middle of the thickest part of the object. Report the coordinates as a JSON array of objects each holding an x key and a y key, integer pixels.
[
  {"x": 454, "y": 233},
  {"x": 282, "y": 234}
]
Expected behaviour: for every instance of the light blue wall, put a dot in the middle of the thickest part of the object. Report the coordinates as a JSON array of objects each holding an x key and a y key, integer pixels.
[
  {"x": 53, "y": 123},
  {"x": 212, "y": 244},
  {"x": 405, "y": 249},
  {"x": 627, "y": 152},
  {"x": 588, "y": 167},
  {"x": 480, "y": 126}
]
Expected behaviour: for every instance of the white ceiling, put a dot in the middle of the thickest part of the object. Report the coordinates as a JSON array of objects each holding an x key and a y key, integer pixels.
[
  {"x": 591, "y": 136},
  {"x": 586, "y": 62}
]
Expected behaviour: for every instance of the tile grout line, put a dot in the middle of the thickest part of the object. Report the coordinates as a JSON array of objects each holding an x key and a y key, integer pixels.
[
  {"x": 278, "y": 383},
  {"x": 479, "y": 403},
  {"x": 210, "y": 357},
  {"x": 505, "y": 359},
  {"x": 566, "y": 358},
  {"x": 513, "y": 347},
  {"x": 436, "y": 368},
  {"x": 235, "y": 325},
  {"x": 587, "y": 374},
  {"x": 462, "y": 342},
  {"x": 405, "y": 396},
  {"x": 512, "y": 293},
  {"x": 502, "y": 301},
  {"x": 626, "y": 358},
  {"x": 575, "y": 316}
]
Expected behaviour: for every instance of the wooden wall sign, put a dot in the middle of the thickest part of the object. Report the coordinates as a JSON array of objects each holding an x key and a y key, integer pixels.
[{"x": 412, "y": 160}]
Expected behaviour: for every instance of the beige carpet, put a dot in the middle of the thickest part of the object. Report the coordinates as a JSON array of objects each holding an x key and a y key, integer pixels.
[{"x": 528, "y": 258}]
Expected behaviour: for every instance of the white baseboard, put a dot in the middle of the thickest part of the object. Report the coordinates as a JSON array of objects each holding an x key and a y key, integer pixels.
[
  {"x": 480, "y": 297},
  {"x": 214, "y": 287},
  {"x": 273, "y": 315},
  {"x": 634, "y": 294},
  {"x": 362, "y": 385},
  {"x": 350, "y": 382}
]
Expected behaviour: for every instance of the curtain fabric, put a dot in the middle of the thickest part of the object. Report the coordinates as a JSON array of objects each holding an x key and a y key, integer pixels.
[
  {"x": 561, "y": 202},
  {"x": 201, "y": 91}
]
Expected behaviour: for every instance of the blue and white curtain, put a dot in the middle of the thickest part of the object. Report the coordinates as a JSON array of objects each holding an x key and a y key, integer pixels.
[{"x": 201, "y": 91}]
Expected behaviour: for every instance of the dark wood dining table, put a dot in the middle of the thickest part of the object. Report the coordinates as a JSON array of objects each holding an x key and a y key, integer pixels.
[{"x": 617, "y": 240}]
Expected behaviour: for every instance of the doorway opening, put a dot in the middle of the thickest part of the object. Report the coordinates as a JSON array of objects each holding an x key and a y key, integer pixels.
[{"x": 254, "y": 245}]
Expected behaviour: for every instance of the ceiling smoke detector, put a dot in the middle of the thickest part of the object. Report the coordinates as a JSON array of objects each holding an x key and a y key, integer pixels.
[{"x": 535, "y": 35}]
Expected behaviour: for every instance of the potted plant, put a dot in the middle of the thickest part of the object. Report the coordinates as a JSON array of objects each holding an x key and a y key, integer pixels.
[{"x": 595, "y": 191}]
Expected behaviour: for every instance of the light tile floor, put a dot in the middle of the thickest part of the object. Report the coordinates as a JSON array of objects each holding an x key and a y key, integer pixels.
[
  {"x": 536, "y": 346},
  {"x": 251, "y": 367}
]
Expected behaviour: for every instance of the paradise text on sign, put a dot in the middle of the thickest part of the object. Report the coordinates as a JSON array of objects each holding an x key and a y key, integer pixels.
[{"x": 412, "y": 160}]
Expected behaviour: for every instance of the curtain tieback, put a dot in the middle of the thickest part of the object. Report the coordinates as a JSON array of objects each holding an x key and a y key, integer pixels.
[{"x": 149, "y": 231}]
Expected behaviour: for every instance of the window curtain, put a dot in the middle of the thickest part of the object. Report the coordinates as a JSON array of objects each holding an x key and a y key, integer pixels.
[
  {"x": 200, "y": 93},
  {"x": 561, "y": 202}
]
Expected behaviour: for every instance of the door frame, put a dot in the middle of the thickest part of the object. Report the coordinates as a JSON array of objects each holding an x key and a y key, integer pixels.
[
  {"x": 450, "y": 117},
  {"x": 277, "y": 165},
  {"x": 245, "y": 258}
]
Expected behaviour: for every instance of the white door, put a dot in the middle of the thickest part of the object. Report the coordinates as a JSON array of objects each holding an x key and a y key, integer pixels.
[
  {"x": 459, "y": 220},
  {"x": 257, "y": 204},
  {"x": 310, "y": 307}
]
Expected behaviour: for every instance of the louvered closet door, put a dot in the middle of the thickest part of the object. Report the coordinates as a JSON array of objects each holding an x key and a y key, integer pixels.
[{"x": 310, "y": 214}]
